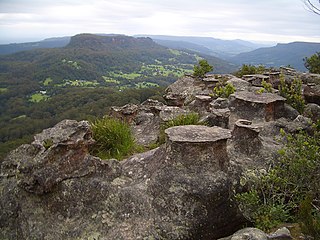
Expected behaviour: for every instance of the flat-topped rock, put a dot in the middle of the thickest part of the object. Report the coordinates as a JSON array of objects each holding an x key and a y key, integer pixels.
[
  {"x": 256, "y": 107},
  {"x": 197, "y": 134},
  {"x": 197, "y": 147},
  {"x": 264, "y": 98}
]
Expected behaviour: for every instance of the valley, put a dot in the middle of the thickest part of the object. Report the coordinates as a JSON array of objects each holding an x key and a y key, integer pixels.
[{"x": 81, "y": 80}]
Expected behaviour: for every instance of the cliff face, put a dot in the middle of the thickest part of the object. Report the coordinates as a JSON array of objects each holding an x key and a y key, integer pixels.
[{"x": 54, "y": 189}]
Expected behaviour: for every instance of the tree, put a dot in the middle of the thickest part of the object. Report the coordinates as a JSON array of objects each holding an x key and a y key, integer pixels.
[
  {"x": 313, "y": 63},
  {"x": 202, "y": 68},
  {"x": 313, "y": 5}
]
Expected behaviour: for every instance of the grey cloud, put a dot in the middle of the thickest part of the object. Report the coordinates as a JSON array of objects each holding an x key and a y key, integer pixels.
[{"x": 229, "y": 18}]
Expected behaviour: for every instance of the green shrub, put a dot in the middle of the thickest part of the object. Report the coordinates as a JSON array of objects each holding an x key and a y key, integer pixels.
[
  {"x": 113, "y": 138},
  {"x": 276, "y": 196},
  {"x": 309, "y": 218},
  {"x": 267, "y": 86},
  {"x": 250, "y": 69},
  {"x": 312, "y": 63},
  {"x": 184, "y": 119},
  {"x": 223, "y": 89},
  {"x": 293, "y": 93}
]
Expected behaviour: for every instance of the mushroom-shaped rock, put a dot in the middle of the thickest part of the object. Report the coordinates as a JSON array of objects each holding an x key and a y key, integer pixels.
[
  {"x": 197, "y": 146},
  {"x": 256, "y": 107}
]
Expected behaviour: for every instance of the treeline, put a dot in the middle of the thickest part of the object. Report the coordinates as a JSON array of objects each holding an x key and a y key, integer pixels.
[{"x": 21, "y": 119}]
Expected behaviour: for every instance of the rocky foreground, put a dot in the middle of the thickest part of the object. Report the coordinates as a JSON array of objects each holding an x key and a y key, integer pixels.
[{"x": 54, "y": 189}]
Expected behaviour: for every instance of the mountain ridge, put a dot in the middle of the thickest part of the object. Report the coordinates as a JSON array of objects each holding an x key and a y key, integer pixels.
[
  {"x": 218, "y": 47},
  {"x": 282, "y": 54}
]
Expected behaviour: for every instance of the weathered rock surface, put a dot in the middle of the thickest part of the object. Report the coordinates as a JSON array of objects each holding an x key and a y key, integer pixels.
[
  {"x": 311, "y": 93},
  {"x": 178, "y": 191},
  {"x": 256, "y": 107},
  {"x": 257, "y": 234}
]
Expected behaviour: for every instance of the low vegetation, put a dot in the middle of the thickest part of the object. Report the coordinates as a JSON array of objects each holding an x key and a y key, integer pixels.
[
  {"x": 290, "y": 190},
  {"x": 113, "y": 137},
  {"x": 266, "y": 87},
  {"x": 292, "y": 91},
  {"x": 223, "y": 89},
  {"x": 250, "y": 69}
]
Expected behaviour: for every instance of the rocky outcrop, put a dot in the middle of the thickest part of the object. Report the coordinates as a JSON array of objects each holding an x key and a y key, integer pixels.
[
  {"x": 54, "y": 189},
  {"x": 311, "y": 93},
  {"x": 58, "y": 191},
  {"x": 256, "y": 107}
]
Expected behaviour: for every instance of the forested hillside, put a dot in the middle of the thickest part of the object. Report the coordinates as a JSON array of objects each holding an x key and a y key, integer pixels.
[
  {"x": 82, "y": 80},
  {"x": 281, "y": 55}
]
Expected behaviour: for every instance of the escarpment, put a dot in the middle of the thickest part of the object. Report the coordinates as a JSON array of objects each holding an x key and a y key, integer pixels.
[{"x": 54, "y": 189}]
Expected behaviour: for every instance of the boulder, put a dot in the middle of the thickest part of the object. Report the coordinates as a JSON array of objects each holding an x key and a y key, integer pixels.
[
  {"x": 256, "y": 234},
  {"x": 126, "y": 113},
  {"x": 56, "y": 154},
  {"x": 256, "y": 107},
  {"x": 182, "y": 92},
  {"x": 219, "y": 103},
  {"x": 312, "y": 111},
  {"x": 239, "y": 84},
  {"x": 246, "y": 138},
  {"x": 218, "y": 117},
  {"x": 247, "y": 233},
  {"x": 311, "y": 93}
]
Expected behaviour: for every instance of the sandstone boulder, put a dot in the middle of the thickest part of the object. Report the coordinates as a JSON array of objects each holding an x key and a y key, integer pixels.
[{"x": 256, "y": 107}]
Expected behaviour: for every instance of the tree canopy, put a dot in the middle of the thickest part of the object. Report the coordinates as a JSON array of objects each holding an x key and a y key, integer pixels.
[
  {"x": 202, "y": 68},
  {"x": 313, "y": 63}
]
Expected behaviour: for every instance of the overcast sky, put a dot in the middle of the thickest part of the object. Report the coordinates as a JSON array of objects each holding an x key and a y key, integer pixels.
[{"x": 256, "y": 20}]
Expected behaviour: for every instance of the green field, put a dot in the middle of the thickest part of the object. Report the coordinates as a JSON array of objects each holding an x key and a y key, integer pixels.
[
  {"x": 38, "y": 97},
  {"x": 146, "y": 85},
  {"x": 78, "y": 83},
  {"x": 3, "y": 90},
  {"x": 47, "y": 81}
]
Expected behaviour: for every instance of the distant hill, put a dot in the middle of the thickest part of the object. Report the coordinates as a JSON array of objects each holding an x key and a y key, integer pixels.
[
  {"x": 81, "y": 80},
  {"x": 206, "y": 45},
  {"x": 280, "y": 55},
  {"x": 96, "y": 57},
  {"x": 46, "y": 43}
]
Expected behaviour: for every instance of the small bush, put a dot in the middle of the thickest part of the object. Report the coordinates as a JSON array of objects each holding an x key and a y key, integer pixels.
[
  {"x": 309, "y": 218},
  {"x": 293, "y": 93},
  {"x": 184, "y": 119},
  {"x": 223, "y": 89},
  {"x": 250, "y": 69},
  {"x": 113, "y": 138},
  {"x": 276, "y": 196},
  {"x": 267, "y": 86}
]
